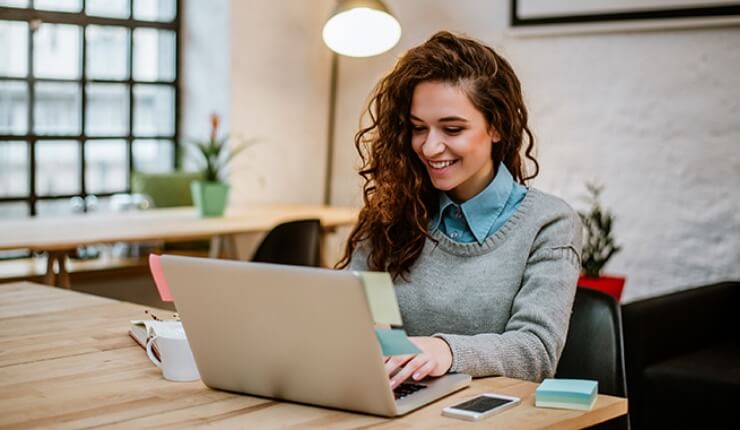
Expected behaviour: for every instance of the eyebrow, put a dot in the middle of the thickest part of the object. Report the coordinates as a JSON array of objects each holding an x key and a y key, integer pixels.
[{"x": 445, "y": 119}]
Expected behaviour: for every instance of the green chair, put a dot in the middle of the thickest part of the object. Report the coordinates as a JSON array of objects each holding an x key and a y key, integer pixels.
[
  {"x": 165, "y": 189},
  {"x": 169, "y": 190}
]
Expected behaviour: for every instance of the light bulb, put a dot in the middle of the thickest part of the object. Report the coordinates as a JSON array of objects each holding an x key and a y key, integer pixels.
[{"x": 361, "y": 32}]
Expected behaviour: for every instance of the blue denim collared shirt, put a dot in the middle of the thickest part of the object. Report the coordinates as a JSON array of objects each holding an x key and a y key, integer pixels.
[{"x": 478, "y": 218}]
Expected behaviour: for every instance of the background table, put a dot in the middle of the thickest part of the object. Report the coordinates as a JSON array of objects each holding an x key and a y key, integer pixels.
[
  {"x": 66, "y": 361},
  {"x": 59, "y": 236}
]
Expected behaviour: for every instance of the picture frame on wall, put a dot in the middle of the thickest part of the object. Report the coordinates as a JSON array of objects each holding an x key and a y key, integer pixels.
[{"x": 548, "y": 16}]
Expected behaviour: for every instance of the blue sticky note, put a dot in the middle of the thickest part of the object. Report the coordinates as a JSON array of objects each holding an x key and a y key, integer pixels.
[
  {"x": 395, "y": 342},
  {"x": 579, "y": 394}
]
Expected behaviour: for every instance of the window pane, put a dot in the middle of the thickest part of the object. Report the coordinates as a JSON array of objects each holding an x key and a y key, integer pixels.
[
  {"x": 14, "y": 169},
  {"x": 63, "y": 5},
  {"x": 14, "y": 3},
  {"x": 56, "y": 51},
  {"x": 153, "y": 156},
  {"x": 13, "y": 107},
  {"x": 101, "y": 205},
  {"x": 154, "y": 10},
  {"x": 111, "y": 8},
  {"x": 13, "y": 210},
  {"x": 107, "y": 110},
  {"x": 57, "y": 108},
  {"x": 107, "y": 52},
  {"x": 56, "y": 207},
  {"x": 107, "y": 166},
  {"x": 57, "y": 167},
  {"x": 14, "y": 46},
  {"x": 154, "y": 55},
  {"x": 154, "y": 110}
]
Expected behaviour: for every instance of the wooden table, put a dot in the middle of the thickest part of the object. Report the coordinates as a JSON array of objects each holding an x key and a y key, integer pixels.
[
  {"x": 66, "y": 361},
  {"x": 59, "y": 236}
]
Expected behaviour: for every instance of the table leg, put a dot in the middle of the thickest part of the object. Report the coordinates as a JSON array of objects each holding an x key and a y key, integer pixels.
[
  {"x": 50, "y": 277},
  {"x": 62, "y": 274},
  {"x": 60, "y": 277},
  {"x": 223, "y": 246},
  {"x": 215, "y": 247}
]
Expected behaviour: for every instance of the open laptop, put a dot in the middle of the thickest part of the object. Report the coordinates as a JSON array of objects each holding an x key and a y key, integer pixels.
[{"x": 287, "y": 332}]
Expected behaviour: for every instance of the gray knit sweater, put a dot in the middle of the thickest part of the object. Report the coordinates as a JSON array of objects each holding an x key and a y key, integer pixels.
[{"x": 503, "y": 306}]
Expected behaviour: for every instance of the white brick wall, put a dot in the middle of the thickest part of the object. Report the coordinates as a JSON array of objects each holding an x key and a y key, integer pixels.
[{"x": 654, "y": 116}]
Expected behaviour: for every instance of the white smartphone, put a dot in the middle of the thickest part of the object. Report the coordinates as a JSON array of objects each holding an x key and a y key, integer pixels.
[{"x": 480, "y": 407}]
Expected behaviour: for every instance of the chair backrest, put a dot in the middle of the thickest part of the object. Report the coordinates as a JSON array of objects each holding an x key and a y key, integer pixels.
[
  {"x": 594, "y": 347},
  {"x": 165, "y": 189},
  {"x": 297, "y": 243}
]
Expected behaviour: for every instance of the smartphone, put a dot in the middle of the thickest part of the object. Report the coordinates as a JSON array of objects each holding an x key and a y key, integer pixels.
[{"x": 480, "y": 407}]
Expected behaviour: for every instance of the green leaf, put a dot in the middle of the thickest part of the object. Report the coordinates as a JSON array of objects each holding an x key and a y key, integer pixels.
[
  {"x": 213, "y": 156},
  {"x": 598, "y": 243}
]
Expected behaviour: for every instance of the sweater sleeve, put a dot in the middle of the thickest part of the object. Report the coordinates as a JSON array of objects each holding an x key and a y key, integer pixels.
[{"x": 534, "y": 337}]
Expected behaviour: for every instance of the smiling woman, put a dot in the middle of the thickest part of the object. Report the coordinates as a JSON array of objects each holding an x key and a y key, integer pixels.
[
  {"x": 452, "y": 138},
  {"x": 485, "y": 268}
]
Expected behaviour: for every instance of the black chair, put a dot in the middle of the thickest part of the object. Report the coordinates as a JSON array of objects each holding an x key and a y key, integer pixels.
[
  {"x": 296, "y": 243},
  {"x": 683, "y": 358},
  {"x": 594, "y": 347}
]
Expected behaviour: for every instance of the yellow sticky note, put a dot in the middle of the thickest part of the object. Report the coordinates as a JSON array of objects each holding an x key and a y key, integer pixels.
[{"x": 381, "y": 297}]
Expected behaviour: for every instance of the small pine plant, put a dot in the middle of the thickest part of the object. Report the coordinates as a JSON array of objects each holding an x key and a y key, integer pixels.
[{"x": 598, "y": 242}]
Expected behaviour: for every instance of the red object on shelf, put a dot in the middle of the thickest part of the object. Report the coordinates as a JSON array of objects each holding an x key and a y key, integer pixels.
[{"x": 612, "y": 285}]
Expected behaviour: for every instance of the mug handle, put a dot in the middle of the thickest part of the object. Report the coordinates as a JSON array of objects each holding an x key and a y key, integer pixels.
[{"x": 150, "y": 353}]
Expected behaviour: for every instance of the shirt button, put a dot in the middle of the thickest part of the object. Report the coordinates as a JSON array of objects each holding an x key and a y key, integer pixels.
[{"x": 454, "y": 235}]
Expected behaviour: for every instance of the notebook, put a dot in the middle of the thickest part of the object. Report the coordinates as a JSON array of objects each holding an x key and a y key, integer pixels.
[{"x": 293, "y": 333}]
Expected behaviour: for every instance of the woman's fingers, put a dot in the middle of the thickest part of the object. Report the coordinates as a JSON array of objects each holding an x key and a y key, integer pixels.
[
  {"x": 394, "y": 362},
  {"x": 417, "y": 364},
  {"x": 424, "y": 370}
]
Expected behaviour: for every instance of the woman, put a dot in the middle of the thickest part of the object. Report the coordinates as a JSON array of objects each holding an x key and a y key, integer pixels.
[{"x": 485, "y": 268}]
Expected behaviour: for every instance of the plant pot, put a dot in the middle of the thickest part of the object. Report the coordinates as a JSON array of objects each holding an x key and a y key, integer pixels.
[
  {"x": 209, "y": 197},
  {"x": 612, "y": 285}
]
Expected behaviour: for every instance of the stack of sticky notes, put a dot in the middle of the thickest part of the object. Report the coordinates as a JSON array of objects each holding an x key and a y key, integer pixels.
[{"x": 578, "y": 394}]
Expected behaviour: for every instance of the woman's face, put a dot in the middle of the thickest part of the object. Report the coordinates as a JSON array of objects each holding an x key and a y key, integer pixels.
[{"x": 452, "y": 139}]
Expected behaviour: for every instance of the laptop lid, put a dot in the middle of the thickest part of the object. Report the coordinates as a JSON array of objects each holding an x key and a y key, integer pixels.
[{"x": 287, "y": 332}]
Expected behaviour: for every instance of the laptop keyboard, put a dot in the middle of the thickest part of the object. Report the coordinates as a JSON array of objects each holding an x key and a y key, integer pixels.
[{"x": 404, "y": 390}]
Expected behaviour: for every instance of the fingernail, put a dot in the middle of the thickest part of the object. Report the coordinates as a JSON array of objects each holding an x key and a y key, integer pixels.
[
  {"x": 417, "y": 376},
  {"x": 393, "y": 383}
]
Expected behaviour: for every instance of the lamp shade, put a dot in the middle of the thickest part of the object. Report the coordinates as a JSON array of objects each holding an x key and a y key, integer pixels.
[{"x": 361, "y": 28}]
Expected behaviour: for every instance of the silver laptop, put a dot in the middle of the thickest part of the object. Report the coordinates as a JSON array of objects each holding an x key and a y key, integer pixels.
[{"x": 292, "y": 333}]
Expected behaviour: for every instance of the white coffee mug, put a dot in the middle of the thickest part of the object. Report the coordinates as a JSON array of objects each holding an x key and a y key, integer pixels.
[{"x": 177, "y": 362}]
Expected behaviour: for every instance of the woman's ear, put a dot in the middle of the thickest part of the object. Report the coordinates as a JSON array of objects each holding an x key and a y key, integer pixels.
[{"x": 494, "y": 134}]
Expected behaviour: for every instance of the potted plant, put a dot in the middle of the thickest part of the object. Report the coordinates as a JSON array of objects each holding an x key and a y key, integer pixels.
[
  {"x": 210, "y": 193},
  {"x": 598, "y": 246}
]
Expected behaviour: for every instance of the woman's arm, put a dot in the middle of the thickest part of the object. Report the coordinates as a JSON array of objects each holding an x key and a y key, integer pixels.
[{"x": 531, "y": 344}]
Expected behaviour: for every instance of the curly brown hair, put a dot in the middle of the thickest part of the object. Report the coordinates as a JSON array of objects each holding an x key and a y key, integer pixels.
[{"x": 398, "y": 195}]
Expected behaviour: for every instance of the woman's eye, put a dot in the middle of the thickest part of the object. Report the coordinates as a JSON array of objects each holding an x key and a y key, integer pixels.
[
  {"x": 453, "y": 130},
  {"x": 418, "y": 128}
]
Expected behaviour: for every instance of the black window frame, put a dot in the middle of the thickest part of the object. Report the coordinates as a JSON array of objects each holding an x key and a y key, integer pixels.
[{"x": 34, "y": 18}]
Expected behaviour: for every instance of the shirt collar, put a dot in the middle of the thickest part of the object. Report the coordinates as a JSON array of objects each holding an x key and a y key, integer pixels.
[{"x": 484, "y": 208}]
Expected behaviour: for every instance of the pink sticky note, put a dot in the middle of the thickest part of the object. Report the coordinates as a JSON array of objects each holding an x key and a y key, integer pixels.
[{"x": 155, "y": 266}]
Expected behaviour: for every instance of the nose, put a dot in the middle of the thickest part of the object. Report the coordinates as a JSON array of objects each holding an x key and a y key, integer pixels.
[{"x": 433, "y": 145}]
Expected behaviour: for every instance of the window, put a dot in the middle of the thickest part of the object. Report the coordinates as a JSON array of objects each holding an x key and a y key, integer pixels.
[{"x": 88, "y": 94}]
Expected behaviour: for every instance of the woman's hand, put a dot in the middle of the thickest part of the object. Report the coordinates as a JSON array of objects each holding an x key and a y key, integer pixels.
[{"x": 434, "y": 359}]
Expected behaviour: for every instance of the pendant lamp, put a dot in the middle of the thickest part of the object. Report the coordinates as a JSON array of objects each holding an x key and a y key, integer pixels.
[{"x": 361, "y": 28}]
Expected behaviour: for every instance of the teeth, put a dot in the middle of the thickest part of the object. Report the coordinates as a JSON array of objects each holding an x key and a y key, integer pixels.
[{"x": 441, "y": 164}]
